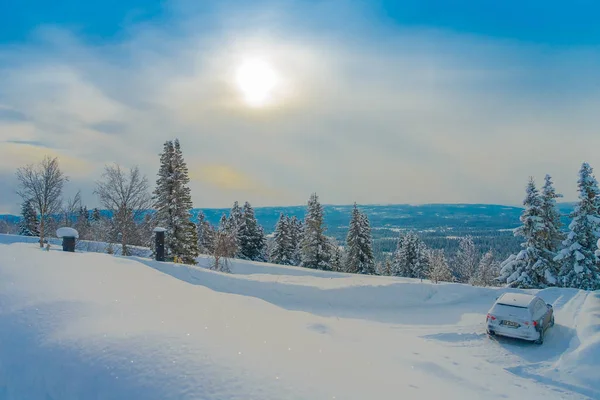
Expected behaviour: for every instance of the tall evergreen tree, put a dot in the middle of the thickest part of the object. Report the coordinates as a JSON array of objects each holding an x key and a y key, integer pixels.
[
  {"x": 337, "y": 258},
  {"x": 552, "y": 234},
  {"x": 466, "y": 261},
  {"x": 251, "y": 236},
  {"x": 173, "y": 203},
  {"x": 29, "y": 220},
  {"x": 206, "y": 235},
  {"x": 359, "y": 250},
  {"x": 236, "y": 225},
  {"x": 411, "y": 259},
  {"x": 314, "y": 245},
  {"x": 296, "y": 237},
  {"x": 579, "y": 264},
  {"x": 528, "y": 268},
  {"x": 282, "y": 250}
]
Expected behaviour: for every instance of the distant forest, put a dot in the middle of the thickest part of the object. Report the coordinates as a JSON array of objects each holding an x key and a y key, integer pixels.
[{"x": 439, "y": 225}]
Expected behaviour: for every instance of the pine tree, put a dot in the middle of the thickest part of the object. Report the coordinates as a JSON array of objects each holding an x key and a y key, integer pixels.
[
  {"x": 173, "y": 203},
  {"x": 359, "y": 253},
  {"x": 551, "y": 231},
  {"x": 236, "y": 226},
  {"x": 439, "y": 270},
  {"x": 296, "y": 236},
  {"x": 528, "y": 268},
  {"x": 411, "y": 259},
  {"x": 579, "y": 264},
  {"x": 206, "y": 235},
  {"x": 466, "y": 261},
  {"x": 282, "y": 250},
  {"x": 251, "y": 236},
  {"x": 336, "y": 256},
  {"x": 487, "y": 271},
  {"x": 314, "y": 246},
  {"x": 29, "y": 225}
]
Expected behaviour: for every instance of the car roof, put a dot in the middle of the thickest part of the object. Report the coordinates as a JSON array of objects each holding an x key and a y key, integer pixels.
[{"x": 516, "y": 299}]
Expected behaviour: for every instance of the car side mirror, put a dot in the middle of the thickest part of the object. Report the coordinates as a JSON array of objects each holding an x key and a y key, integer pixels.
[{"x": 549, "y": 305}]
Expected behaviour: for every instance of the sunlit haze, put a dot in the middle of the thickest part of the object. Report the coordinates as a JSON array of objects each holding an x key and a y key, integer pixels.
[{"x": 373, "y": 102}]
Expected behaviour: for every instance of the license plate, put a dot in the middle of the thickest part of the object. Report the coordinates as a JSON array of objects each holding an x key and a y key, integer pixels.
[{"x": 510, "y": 323}]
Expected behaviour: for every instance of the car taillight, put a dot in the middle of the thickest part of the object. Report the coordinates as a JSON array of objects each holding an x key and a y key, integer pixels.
[
  {"x": 534, "y": 323},
  {"x": 490, "y": 316}
]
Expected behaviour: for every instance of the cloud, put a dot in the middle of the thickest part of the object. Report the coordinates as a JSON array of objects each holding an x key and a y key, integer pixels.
[{"x": 367, "y": 111}]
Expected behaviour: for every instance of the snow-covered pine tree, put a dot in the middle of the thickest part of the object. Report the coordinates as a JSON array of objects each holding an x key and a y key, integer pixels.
[
  {"x": 528, "y": 268},
  {"x": 531, "y": 267},
  {"x": 487, "y": 271},
  {"x": 173, "y": 203},
  {"x": 368, "y": 266},
  {"x": 551, "y": 231},
  {"x": 411, "y": 259},
  {"x": 251, "y": 236},
  {"x": 314, "y": 246},
  {"x": 439, "y": 270},
  {"x": 579, "y": 264},
  {"x": 29, "y": 225},
  {"x": 353, "y": 257},
  {"x": 336, "y": 256},
  {"x": 359, "y": 251},
  {"x": 296, "y": 235},
  {"x": 236, "y": 225},
  {"x": 206, "y": 234},
  {"x": 466, "y": 260},
  {"x": 282, "y": 248}
]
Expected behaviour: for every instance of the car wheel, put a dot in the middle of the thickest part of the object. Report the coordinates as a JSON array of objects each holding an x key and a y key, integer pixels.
[
  {"x": 540, "y": 340},
  {"x": 491, "y": 333}
]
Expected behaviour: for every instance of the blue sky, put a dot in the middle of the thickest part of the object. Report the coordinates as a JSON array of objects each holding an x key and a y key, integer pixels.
[{"x": 375, "y": 101}]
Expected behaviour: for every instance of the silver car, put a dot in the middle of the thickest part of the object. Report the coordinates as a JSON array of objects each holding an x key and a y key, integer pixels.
[{"x": 520, "y": 316}]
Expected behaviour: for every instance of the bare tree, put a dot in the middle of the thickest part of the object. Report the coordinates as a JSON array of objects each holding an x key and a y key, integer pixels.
[
  {"x": 71, "y": 208},
  {"x": 42, "y": 183},
  {"x": 127, "y": 196},
  {"x": 439, "y": 270},
  {"x": 224, "y": 248}
]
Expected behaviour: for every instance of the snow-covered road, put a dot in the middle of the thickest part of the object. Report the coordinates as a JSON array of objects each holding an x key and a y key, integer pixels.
[{"x": 94, "y": 326}]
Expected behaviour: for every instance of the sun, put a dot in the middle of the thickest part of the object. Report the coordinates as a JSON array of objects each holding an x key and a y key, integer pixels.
[{"x": 256, "y": 79}]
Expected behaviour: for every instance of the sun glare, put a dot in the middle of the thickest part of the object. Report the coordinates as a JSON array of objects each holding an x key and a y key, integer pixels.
[{"x": 256, "y": 79}]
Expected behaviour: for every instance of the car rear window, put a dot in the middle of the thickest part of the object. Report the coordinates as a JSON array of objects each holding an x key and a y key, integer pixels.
[{"x": 509, "y": 310}]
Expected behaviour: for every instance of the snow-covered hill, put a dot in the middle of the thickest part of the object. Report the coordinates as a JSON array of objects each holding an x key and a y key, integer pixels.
[{"x": 95, "y": 326}]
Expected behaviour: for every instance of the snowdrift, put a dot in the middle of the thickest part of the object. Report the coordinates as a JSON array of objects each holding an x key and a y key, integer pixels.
[{"x": 96, "y": 326}]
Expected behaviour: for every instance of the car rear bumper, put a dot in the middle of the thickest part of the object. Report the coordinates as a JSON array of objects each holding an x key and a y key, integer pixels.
[{"x": 527, "y": 334}]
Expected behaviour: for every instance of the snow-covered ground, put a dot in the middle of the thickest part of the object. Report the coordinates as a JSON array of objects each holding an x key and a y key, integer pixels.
[{"x": 95, "y": 326}]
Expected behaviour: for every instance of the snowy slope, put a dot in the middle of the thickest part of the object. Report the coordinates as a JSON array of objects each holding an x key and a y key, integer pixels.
[{"x": 94, "y": 326}]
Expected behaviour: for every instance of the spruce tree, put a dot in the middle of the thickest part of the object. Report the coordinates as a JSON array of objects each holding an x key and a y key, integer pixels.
[
  {"x": 173, "y": 203},
  {"x": 528, "y": 268},
  {"x": 359, "y": 248},
  {"x": 439, "y": 270},
  {"x": 579, "y": 264},
  {"x": 411, "y": 259},
  {"x": 282, "y": 250},
  {"x": 236, "y": 226},
  {"x": 29, "y": 220},
  {"x": 206, "y": 235},
  {"x": 297, "y": 228},
  {"x": 551, "y": 231},
  {"x": 251, "y": 236},
  {"x": 466, "y": 260},
  {"x": 337, "y": 258},
  {"x": 314, "y": 246},
  {"x": 487, "y": 271}
]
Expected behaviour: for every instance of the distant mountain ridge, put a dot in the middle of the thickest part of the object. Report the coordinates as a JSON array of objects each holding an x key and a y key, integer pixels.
[{"x": 398, "y": 216}]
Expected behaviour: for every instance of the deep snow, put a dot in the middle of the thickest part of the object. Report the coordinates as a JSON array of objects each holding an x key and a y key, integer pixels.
[{"x": 95, "y": 326}]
